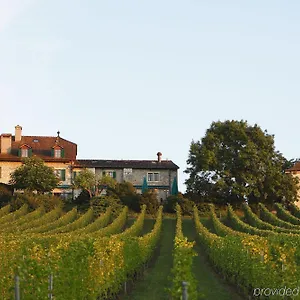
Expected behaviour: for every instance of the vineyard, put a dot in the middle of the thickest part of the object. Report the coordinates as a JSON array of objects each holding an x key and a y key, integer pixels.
[{"x": 58, "y": 255}]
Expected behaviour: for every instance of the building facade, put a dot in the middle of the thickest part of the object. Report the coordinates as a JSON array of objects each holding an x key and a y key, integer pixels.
[
  {"x": 295, "y": 171},
  {"x": 61, "y": 155}
]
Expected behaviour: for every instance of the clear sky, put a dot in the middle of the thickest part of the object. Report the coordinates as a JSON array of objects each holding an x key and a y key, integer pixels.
[{"x": 126, "y": 79}]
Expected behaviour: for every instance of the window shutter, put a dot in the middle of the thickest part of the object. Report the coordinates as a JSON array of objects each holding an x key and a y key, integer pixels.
[
  {"x": 103, "y": 173},
  {"x": 19, "y": 152},
  {"x": 29, "y": 152},
  {"x": 63, "y": 175},
  {"x": 62, "y": 153},
  {"x": 52, "y": 152},
  {"x": 114, "y": 174},
  {"x": 74, "y": 174}
]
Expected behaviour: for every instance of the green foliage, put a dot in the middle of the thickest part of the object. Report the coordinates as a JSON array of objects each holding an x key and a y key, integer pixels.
[
  {"x": 93, "y": 183},
  {"x": 126, "y": 192},
  {"x": 102, "y": 203},
  {"x": 294, "y": 210},
  {"x": 249, "y": 261},
  {"x": 269, "y": 217},
  {"x": 48, "y": 201},
  {"x": 235, "y": 162},
  {"x": 34, "y": 175},
  {"x": 14, "y": 215},
  {"x": 81, "y": 222},
  {"x": 83, "y": 198},
  {"x": 285, "y": 215},
  {"x": 99, "y": 223},
  {"x": 255, "y": 221},
  {"x": 185, "y": 204},
  {"x": 5, "y": 194},
  {"x": 183, "y": 255},
  {"x": 62, "y": 221},
  {"x": 149, "y": 198},
  {"x": 137, "y": 227},
  {"x": 115, "y": 227},
  {"x": 86, "y": 180}
]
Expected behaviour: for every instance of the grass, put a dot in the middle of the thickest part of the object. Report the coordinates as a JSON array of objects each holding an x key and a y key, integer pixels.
[
  {"x": 211, "y": 286},
  {"x": 156, "y": 279}
]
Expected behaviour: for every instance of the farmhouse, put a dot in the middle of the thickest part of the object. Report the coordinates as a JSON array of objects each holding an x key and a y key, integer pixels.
[{"x": 61, "y": 154}]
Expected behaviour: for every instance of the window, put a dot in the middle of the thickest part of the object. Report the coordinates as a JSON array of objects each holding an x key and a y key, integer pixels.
[
  {"x": 61, "y": 174},
  {"x": 24, "y": 152},
  {"x": 0, "y": 172},
  {"x": 111, "y": 174},
  {"x": 57, "y": 153},
  {"x": 153, "y": 176}
]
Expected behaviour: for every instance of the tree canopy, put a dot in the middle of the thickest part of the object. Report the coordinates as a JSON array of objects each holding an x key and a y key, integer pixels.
[
  {"x": 235, "y": 162},
  {"x": 34, "y": 175}
]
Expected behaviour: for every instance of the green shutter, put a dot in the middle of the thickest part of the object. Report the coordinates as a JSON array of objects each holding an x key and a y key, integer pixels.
[
  {"x": 52, "y": 152},
  {"x": 114, "y": 174},
  {"x": 74, "y": 174},
  {"x": 19, "y": 152},
  {"x": 29, "y": 152},
  {"x": 62, "y": 153},
  {"x": 63, "y": 175}
]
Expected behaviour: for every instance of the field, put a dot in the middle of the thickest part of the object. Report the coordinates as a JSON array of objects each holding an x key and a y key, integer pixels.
[{"x": 58, "y": 255}]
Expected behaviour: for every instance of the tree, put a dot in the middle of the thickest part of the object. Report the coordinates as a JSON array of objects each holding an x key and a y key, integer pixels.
[
  {"x": 235, "y": 162},
  {"x": 92, "y": 183},
  {"x": 34, "y": 175},
  {"x": 126, "y": 192}
]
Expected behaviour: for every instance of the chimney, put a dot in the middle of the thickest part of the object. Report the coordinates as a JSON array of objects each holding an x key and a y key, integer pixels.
[
  {"x": 159, "y": 157},
  {"x": 6, "y": 143},
  {"x": 18, "y": 133}
]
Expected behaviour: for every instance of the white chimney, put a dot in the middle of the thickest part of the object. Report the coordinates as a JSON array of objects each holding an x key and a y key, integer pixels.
[
  {"x": 6, "y": 143},
  {"x": 159, "y": 157},
  {"x": 18, "y": 133}
]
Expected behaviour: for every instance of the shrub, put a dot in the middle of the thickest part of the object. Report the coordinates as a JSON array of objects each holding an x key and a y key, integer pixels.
[
  {"x": 149, "y": 198},
  {"x": 100, "y": 205},
  {"x": 5, "y": 194},
  {"x": 185, "y": 204},
  {"x": 83, "y": 198},
  {"x": 34, "y": 201},
  {"x": 132, "y": 201}
]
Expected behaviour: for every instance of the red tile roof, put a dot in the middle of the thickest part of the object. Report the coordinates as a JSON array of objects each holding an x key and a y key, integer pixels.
[
  {"x": 42, "y": 147},
  {"x": 295, "y": 167}
]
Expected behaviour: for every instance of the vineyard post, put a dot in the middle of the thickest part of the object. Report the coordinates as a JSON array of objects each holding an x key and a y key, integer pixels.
[
  {"x": 125, "y": 287},
  {"x": 50, "y": 286},
  {"x": 17, "y": 287},
  {"x": 184, "y": 290}
]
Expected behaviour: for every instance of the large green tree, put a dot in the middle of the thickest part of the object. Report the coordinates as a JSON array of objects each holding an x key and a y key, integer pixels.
[
  {"x": 235, "y": 162},
  {"x": 34, "y": 175}
]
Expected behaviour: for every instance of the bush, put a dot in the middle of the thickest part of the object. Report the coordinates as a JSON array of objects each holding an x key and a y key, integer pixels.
[
  {"x": 149, "y": 198},
  {"x": 34, "y": 201},
  {"x": 102, "y": 203},
  {"x": 126, "y": 192},
  {"x": 133, "y": 202},
  {"x": 5, "y": 194},
  {"x": 185, "y": 204},
  {"x": 83, "y": 198}
]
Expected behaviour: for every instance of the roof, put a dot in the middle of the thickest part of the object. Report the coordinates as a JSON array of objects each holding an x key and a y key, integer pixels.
[
  {"x": 295, "y": 167},
  {"x": 121, "y": 164},
  {"x": 41, "y": 146}
]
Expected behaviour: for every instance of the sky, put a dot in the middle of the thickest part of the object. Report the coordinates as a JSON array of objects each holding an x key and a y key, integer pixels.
[{"x": 126, "y": 79}]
